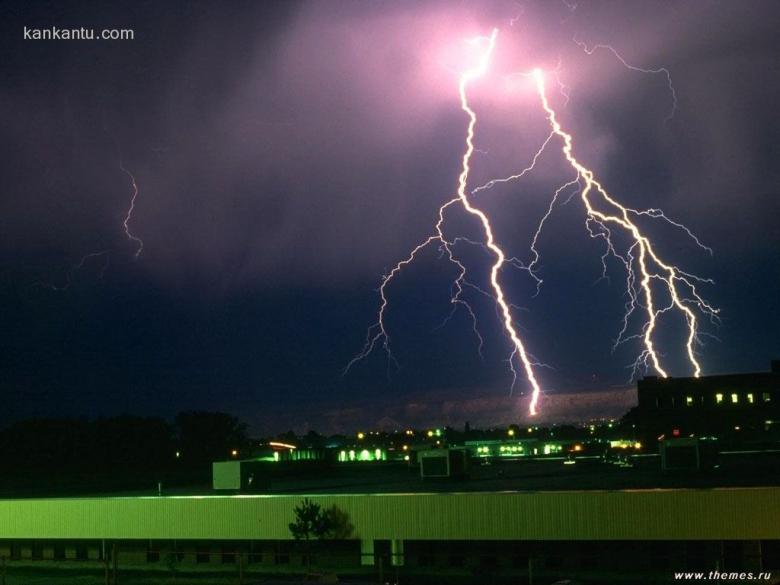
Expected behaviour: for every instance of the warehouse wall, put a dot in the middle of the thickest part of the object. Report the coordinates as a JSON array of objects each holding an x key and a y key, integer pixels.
[{"x": 711, "y": 514}]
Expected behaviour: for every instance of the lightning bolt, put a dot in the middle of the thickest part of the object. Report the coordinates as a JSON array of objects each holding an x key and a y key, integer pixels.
[
  {"x": 105, "y": 254},
  {"x": 645, "y": 269},
  {"x": 70, "y": 275},
  {"x": 681, "y": 286},
  {"x": 518, "y": 347},
  {"x": 377, "y": 333},
  {"x": 131, "y": 208}
]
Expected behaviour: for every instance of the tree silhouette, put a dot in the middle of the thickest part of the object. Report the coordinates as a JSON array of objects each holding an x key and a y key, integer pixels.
[{"x": 312, "y": 522}]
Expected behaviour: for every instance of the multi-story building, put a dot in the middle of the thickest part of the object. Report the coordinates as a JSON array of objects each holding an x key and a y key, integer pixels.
[{"x": 730, "y": 405}]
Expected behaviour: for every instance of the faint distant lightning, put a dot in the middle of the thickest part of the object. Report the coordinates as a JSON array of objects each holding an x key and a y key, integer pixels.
[
  {"x": 658, "y": 70},
  {"x": 69, "y": 276},
  {"x": 377, "y": 333},
  {"x": 490, "y": 184},
  {"x": 680, "y": 285},
  {"x": 125, "y": 227},
  {"x": 131, "y": 208},
  {"x": 534, "y": 241}
]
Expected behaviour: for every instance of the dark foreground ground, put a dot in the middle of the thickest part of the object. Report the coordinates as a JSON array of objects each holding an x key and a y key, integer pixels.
[{"x": 40, "y": 575}]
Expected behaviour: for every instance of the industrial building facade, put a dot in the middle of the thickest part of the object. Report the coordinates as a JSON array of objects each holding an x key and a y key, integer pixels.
[{"x": 734, "y": 528}]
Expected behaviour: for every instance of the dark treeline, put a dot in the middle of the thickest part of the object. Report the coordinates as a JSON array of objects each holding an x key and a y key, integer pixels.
[{"x": 123, "y": 443}]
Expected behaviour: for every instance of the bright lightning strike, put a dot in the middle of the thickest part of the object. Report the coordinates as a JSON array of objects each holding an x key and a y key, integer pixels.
[
  {"x": 680, "y": 285},
  {"x": 519, "y": 348},
  {"x": 377, "y": 333},
  {"x": 645, "y": 270}
]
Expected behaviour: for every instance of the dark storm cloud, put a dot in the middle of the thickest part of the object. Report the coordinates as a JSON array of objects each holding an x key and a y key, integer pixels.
[
  {"x": 272, "y": 154},
  {"x": 288, "y": 153}
]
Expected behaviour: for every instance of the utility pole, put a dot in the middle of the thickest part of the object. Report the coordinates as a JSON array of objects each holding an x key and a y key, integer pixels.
[
  {"x": 114, "y": 554},
  {"x": 105, "y": 562}
]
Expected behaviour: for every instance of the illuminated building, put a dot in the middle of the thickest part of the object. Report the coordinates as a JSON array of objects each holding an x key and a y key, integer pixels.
[{"x": 730, "y": 405}]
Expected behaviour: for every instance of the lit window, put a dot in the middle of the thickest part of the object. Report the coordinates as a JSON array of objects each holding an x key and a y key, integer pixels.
[
  {"x": 718, "y": 398},
  {"x": 734, "y": 398},
  {"x": 750, "y": 398},
  {"x": 766, "y": 397},
  {"x": 689, "y": 401}
]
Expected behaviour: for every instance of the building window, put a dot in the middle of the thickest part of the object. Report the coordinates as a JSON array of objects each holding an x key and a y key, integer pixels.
[
  {"x": 202, "y": 556},
  {"x": 750, "y": 397},
  {"x": 689, "y": 401},
  {"x": 718, "y": 398},
  {"x": 37, "y": 551},
  {"x": 255, "y": 557},
  {"x": 228, "y": 555},
  {"x": 766, "y": 397},
  {"x": 735, "y": 398}
]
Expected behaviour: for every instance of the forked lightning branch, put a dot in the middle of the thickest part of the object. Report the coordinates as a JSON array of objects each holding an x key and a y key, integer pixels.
[{"x": 654, "y": 285}]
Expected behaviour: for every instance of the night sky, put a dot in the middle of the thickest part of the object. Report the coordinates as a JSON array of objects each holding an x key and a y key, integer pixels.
[{"x": 288, "y": 154}]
